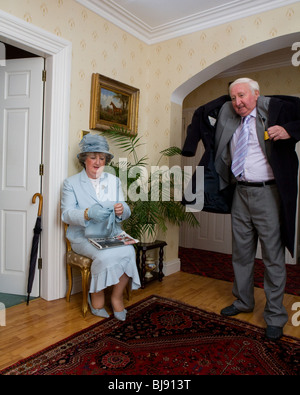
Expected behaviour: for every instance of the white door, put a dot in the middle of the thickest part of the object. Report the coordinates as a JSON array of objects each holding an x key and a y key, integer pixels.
[{"x": 21, "y": 109}]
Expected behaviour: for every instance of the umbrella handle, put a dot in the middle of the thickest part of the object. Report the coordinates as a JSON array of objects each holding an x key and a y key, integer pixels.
[{"x": 40, "y": 202}]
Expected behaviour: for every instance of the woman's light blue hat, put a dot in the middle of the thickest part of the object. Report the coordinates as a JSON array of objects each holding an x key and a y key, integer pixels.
[{"x": 94, "y": 143}]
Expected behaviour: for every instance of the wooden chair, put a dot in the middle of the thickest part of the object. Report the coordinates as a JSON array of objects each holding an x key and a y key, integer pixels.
[{"x": 83, "y": 263}]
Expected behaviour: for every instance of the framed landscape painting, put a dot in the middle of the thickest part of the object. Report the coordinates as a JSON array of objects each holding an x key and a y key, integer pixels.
[{"x": 113, "y": 103}]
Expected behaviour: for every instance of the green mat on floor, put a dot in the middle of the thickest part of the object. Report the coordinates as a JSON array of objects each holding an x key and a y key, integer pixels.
[{"x": 10, "y": 300}]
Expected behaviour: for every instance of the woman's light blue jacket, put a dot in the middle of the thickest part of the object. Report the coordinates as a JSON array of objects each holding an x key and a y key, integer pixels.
[{"x": 78, "y": 194}]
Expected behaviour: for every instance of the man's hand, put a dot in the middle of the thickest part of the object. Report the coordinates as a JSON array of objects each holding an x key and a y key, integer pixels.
[{"x": 278, "y": 133}]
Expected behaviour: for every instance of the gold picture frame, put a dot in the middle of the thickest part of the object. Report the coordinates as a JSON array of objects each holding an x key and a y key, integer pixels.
[{"x": 113, "y": 103}]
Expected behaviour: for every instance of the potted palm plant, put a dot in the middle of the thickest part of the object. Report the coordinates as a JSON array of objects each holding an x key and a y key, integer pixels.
[{"x": 151, "y": 197}]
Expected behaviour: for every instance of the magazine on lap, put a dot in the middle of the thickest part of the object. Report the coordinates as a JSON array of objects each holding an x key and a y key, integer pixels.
[{"x": 116, "y": 241}]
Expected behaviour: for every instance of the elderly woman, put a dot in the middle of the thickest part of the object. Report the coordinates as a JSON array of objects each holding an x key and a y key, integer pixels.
[{"x": 93, "y": 205}]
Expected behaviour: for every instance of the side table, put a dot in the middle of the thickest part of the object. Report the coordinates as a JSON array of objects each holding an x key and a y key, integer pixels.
[{"x": 144, "y": 247}]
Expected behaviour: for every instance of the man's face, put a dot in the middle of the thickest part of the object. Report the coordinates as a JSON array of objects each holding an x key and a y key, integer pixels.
[{"x": 243, "y": 100}]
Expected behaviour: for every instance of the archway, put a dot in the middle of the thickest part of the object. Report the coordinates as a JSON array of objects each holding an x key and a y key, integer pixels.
[{"x": 229, "y": 61}]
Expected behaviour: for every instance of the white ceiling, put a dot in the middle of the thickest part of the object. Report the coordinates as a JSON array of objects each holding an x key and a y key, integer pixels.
[{"x": 153, "y": 21}]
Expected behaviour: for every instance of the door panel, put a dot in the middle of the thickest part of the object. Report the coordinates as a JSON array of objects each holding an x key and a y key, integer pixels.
[{"x": 21, "y": 106}]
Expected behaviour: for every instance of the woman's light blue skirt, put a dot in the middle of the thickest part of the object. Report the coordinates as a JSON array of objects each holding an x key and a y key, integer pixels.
[{"x": 109, "y": 265}]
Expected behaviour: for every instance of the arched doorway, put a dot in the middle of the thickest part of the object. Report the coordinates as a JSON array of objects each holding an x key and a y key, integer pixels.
[{"x": 231, "y": 60}]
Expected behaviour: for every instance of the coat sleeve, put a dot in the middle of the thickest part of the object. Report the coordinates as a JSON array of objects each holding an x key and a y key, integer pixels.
[
  {"x": 193, "y": 134},
  {"x": 126, "y": 213},
  {"x": 203, "y": 125},
  {"x": 71, "y": 213},
  {"x": 286, "y": 113},
  {"x": 293, "y": 129}
]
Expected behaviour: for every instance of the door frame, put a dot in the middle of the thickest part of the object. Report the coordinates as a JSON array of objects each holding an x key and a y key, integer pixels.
[{"x": 58, "y": 57}]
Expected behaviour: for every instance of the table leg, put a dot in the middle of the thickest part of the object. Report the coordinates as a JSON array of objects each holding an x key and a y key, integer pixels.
[
  {"x": 143, "y": 269},
  {"x": 138, "y": 262},
  {"x": 160, "y": 265}
]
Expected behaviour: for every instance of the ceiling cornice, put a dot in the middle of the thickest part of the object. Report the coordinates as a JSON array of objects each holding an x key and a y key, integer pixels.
[{"x": 230, "y": 11}]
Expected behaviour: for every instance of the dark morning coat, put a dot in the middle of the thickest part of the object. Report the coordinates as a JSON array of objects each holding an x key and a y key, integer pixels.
[{"x": 203, "y": 127}]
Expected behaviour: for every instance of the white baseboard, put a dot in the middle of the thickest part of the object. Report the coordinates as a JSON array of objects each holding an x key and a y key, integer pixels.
[{"x": 171, "y": 267}]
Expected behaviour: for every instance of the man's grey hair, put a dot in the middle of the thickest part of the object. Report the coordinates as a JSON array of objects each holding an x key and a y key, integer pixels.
[{"x": 252, "y": 84}]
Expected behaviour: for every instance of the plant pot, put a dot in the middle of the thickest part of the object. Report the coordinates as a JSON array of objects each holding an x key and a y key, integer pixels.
[{"x": 150, "y": 234}]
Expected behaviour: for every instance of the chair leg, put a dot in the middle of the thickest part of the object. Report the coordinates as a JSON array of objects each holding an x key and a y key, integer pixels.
[
  {"x": 70, "y": 280},
  {"x": 85, "y": 275}
]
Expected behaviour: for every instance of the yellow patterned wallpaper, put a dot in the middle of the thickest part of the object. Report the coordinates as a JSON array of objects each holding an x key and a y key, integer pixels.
[{"x": 157, "y": 70}]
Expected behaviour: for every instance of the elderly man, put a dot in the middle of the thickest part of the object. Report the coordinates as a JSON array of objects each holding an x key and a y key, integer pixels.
[{"x": 255, "y": 148}]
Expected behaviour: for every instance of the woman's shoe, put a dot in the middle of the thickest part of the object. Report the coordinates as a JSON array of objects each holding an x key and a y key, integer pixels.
[
  {"x": 120, "y": 315},
  {"x": 99, "y": 312}
]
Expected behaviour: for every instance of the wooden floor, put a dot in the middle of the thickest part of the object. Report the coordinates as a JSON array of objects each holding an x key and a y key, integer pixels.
[{"x": 31, "y": 328}]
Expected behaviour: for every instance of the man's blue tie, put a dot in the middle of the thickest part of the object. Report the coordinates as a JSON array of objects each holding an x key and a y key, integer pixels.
[{"x": 241, "y": 148}]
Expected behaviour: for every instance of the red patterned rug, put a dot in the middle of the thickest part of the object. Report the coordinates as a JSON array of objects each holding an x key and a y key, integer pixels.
[
  {"x": 166, "y": 337},
  {"x": 217, "y": 265}
]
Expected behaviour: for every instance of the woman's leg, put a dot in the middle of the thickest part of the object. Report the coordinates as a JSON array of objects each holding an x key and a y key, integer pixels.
[
  {"x": 117, "y": 294},
  {"x": 98, "y": 299}
]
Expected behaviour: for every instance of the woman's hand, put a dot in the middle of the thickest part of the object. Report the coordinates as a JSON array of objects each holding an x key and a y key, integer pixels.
[
  {"x": 119, "y": 209},
  {"x": 98, "y": 213}
]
